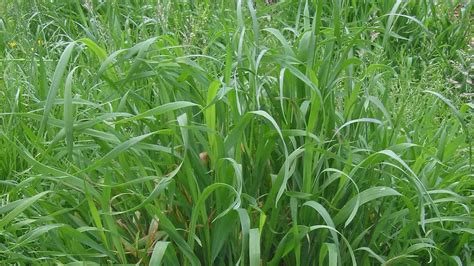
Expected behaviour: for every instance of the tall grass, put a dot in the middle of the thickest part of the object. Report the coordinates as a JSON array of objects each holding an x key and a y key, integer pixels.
[{"x": 236, "y": 132}]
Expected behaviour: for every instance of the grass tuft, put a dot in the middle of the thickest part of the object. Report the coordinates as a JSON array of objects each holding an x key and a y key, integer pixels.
[{"x": 236, "y": 132}]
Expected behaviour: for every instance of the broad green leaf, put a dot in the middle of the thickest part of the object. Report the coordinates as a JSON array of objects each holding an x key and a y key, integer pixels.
[
  {"x": 254, "y": 247},
  {"x": 349, "y": 210},
  {"x": 158, "y": 252}
]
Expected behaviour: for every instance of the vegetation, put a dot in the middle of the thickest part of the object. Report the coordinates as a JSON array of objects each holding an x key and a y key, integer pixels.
[{"x": 224, "y": 132}]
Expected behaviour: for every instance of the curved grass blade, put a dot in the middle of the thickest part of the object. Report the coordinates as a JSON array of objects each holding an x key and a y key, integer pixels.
[
  {"x": 20, "y": 207},
  {"x": 53, "y": 90}
]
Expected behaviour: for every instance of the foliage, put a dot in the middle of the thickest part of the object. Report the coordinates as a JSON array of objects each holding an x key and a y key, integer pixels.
[{"x": 233, "y": 132}]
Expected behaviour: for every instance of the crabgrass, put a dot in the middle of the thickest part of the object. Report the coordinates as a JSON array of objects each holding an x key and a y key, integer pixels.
[{"x": 236, "y": 132}]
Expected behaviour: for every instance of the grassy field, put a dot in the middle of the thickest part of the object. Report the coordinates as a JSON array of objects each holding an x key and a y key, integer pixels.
[{"x": 224, "y": 132}]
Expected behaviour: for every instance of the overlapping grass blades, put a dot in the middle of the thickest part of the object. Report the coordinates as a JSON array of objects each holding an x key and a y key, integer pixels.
[{"x": 235, "y": 132}]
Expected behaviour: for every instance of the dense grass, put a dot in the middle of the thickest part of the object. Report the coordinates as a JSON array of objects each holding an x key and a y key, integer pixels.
[{"x": 231, "y": 132}]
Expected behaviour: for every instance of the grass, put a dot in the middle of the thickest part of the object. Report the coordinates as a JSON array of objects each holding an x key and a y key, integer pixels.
[{"x": 232, "y": 132}]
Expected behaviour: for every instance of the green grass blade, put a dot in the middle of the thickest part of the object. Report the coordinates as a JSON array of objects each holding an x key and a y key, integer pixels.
[{"x": 57, "y": 77}]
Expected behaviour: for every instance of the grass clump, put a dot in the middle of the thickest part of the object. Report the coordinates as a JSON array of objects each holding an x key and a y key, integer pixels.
[{"x": 236, "y": 132}]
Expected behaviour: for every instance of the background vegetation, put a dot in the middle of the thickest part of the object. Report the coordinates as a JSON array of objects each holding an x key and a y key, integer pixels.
[{"x": 232, "y": 132}]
